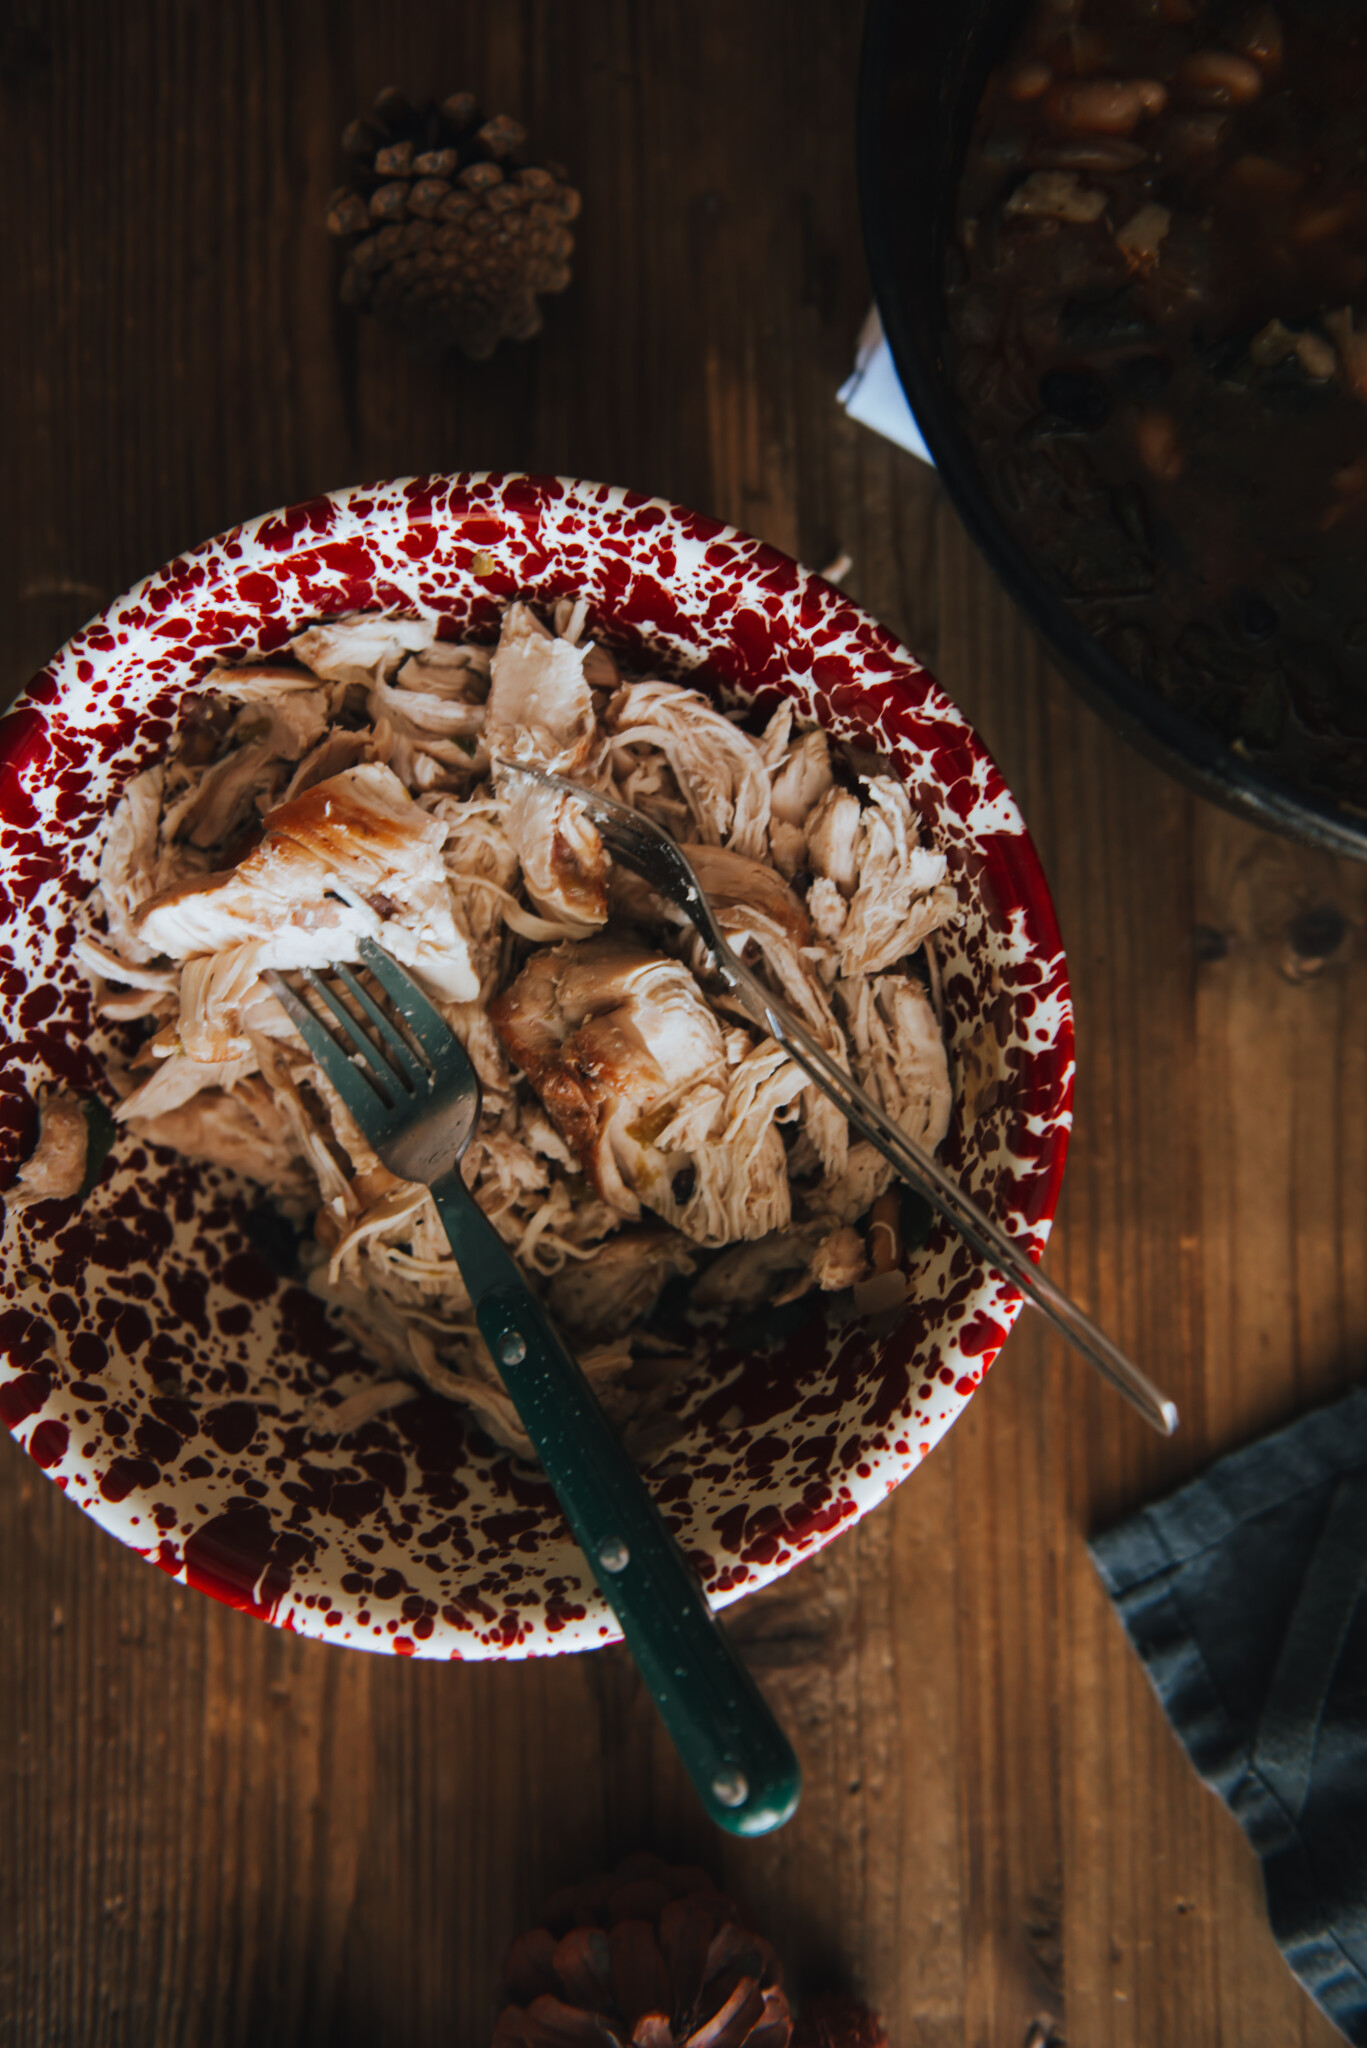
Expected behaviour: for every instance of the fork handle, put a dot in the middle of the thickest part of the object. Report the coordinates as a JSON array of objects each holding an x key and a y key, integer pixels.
[{"x": 732, "y": 1747}]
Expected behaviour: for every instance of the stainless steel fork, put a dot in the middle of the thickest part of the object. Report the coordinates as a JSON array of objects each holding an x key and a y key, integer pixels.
[
  {"x": 416, "y": 1097},
  {"x": 649, "y": 851}
]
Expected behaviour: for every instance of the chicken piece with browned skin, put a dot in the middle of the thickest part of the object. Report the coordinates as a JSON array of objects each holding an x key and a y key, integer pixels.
[
  {"x": 611, "y": 1037},
  {"x": 660, "y": 1108},
  {"x": 351, "y": 857}
]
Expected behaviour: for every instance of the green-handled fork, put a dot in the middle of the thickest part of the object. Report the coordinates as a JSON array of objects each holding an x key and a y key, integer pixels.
[{"x": 416, "y": 1097}]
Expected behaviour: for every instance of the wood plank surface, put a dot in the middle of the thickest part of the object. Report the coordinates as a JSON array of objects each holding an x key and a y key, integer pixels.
[{"x": 215, "y": 1834}]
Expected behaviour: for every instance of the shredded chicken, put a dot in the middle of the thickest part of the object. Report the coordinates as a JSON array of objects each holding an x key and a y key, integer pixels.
[
  {"x": 240, "y": 1130},
  {"x": 351, "y": 857},
  {"x": 718, "y": 768},
  {"x": 540, "y": 710},
  {"x": 637, "y": 1131},
  {"x": 613, "y": 1039},
  {"x": 603, "y": 1296},
  {"x": 896, "y": 888},
  {"x": 361, "y": 647},
  {"x": 748, "y": 1274},
  {"x": 55, "y": 1170}
]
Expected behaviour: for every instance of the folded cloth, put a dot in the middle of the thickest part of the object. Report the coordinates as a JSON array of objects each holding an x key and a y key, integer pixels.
[{"x": 1246, "y": 1596}]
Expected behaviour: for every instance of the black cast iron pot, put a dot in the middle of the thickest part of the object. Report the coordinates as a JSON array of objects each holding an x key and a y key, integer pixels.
[{"x": 925, "y": 63}]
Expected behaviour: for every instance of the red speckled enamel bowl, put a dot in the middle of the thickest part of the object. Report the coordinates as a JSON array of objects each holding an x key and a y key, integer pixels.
[{"x": 161, "y": 1374}]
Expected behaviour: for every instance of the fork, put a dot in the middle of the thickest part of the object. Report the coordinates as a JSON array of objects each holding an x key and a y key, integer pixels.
[
  {"x": 417, "y": 1098},
  {"x": 650, "y": 852}
]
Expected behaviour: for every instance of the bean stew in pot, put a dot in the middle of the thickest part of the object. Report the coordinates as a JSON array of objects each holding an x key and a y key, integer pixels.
[{"x": 1157, "y": 309}]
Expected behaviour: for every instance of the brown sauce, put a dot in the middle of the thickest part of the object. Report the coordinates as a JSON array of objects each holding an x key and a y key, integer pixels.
[{"x": 1157, "y": 312}]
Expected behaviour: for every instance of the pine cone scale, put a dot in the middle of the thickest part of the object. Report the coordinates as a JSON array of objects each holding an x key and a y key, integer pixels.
[
  {"x": 733, "y": 2025},
  {"x": 583, "y": 1968},
  {"x": 775, "y": 2029},
  {"x": 548, "y": 2023},
  {"x": 529, "y": 1965},
  {"x": 640, "y": 1980},
  {"x": 686, "y": 1930}
]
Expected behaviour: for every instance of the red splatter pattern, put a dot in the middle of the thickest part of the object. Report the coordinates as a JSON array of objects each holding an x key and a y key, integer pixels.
[{"x": 180, "y": 1393}]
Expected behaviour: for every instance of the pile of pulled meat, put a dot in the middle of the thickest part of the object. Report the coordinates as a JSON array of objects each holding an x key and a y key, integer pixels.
[{"x": 635, "y": 1124}]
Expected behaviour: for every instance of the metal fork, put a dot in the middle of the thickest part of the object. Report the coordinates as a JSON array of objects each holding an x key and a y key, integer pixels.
[
  {"x": 417, "y": 1098},
  {"x": 649, "y": 851}
]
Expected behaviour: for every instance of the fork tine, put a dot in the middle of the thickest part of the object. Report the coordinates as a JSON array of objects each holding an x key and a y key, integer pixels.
[
  {"x": 427, "y": 1024},
  {"x": 401, "y": 1052},
  {"x": 613, "y": 835},
  {"x": 615, "y": 832},
  {"x": 356, "y": 1092},
  {"x": 379, "y": 1066},
  {"x": 651, "y": 858}
]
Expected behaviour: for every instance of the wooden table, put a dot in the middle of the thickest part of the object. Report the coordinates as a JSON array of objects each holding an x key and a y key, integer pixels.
[{"x": 218, "y": 1834}]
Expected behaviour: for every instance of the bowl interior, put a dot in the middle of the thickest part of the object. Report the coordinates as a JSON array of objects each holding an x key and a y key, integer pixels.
[
  {"x": 178, "y": 1387},
  {"x": 922, "y": 75}
]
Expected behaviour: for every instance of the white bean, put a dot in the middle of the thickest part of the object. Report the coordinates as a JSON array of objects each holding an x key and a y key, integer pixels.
[
  {"x": 1260, "y": 38},
  {"x": 1217, "y": 78},
  {"x": 1104, "y": 106},
  {"x": 1030, "y": 81}
]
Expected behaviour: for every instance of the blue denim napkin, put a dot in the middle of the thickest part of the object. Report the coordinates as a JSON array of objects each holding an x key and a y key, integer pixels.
[{"x": 1246, "y": 1596}]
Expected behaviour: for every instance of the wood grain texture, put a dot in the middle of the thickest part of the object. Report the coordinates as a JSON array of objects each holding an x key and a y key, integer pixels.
[{"x": 218, "y": 1835}]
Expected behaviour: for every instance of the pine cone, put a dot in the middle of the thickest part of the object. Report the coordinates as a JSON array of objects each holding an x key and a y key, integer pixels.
[
  {"x": 451, "y": 234},
  {"x": 651, "y": 1956},
  {"x": 838, "y": 2023}
]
